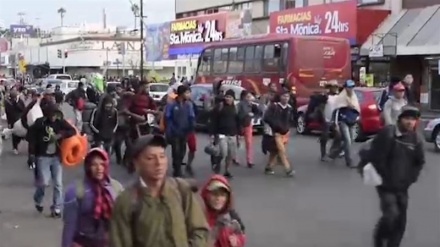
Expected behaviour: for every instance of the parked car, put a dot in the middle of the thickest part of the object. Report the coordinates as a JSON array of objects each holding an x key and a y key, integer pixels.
[
  {"x": 370, "y": 120},
  {"x": 158, "y": 90},
  {"x": 60, "y": 77},
  {"x": 199, "y": 92},
  {"x": 432, "y": 133}
]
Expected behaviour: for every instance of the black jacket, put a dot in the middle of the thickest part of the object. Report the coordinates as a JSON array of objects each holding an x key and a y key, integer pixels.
[
  {"x": 397, "y": 157},
  {"x": 278, "y": 118},
  {"x": 225, "y": 120},
  {"x": 14, "y": 109},
  {"x": 38, "y": 134}
]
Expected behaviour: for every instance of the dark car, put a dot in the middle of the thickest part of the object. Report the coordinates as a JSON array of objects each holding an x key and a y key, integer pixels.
[{"x": 200, "y": 92}]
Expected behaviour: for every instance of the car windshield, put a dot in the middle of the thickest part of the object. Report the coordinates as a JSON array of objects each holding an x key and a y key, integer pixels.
[
  {"x": 63, "y": 77},
  {"x": 158, "y": 87}
]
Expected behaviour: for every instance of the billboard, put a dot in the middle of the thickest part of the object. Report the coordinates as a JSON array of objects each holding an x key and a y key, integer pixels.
[
  {"x": 157, "y": 41},
  {"x": 333, "y": 20},
  {"x": 21, "y": 29}
]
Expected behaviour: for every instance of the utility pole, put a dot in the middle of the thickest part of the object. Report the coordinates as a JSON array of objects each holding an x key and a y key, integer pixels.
[{"x": 142, "y": 37}]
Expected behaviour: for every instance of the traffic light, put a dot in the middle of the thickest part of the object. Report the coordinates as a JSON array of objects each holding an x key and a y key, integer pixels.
[
  {"x": 59, "y": 54},
  {"x": 65, "y": 54},
  {"x": 121, "y": 48}
]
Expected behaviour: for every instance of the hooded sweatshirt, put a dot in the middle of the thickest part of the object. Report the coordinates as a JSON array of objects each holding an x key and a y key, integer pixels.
[
  {"x": 223, "y": 223},
  {"x": 391, "y": 110},
  {"x": 104, "y": 122},
  {"x": 78, "y": 215}
]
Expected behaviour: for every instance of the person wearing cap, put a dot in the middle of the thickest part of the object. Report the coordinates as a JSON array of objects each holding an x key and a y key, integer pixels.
[
  {"x": 179, "y": 122},
  {"x": 398, "y": 156},
  {"x": 44, "y": 138},
  {"x": 14, "y": 109},
  {"x": 142, "y": 213},
  {"x": 48, "y": 97},
  {"x": 227, "y": 228},
  {"x": 88, "y": 203},
  {"x": 388, "y": 91},
  {"x": 346, "y": 115},
  {"x": 276, "y": 127},
  {"x": 327, "y": 123},
  {"x": 392, "y": 107},
  {"x": 225, "y": 128}
]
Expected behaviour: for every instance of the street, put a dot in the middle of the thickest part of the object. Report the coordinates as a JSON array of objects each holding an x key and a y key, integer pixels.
[{"x": 325, "y": 205}]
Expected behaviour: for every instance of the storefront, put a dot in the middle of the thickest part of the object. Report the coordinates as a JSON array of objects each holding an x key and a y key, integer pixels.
[
  {"x": 340, "y": 20},
  {"x": 409, "y": 41}
]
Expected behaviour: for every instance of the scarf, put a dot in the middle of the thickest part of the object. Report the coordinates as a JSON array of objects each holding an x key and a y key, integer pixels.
[{"x": 103, "y": 201}]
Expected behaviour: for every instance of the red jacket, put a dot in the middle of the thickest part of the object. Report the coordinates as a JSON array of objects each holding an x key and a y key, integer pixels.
[
  {"x": 224, "y": 222},
  {"x": 141, "y": 102}
]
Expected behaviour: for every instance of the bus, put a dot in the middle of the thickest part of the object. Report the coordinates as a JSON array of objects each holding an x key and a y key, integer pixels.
[{"x": 306, "y": 63}]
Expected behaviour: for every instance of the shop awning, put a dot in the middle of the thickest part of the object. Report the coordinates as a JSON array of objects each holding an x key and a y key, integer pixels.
[{"x": 411, "y": 32}]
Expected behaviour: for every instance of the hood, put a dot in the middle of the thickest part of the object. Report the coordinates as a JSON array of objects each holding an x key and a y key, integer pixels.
[
  {"x": 96, "y": 151},
  {"x": 204, "y": 193}
]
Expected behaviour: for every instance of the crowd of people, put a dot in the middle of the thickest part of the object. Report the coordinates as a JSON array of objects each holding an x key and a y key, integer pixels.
[{"x": 98, "y": 211}]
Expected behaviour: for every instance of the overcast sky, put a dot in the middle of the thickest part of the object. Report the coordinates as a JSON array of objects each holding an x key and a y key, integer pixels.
[{"x": 44, "y": 12}]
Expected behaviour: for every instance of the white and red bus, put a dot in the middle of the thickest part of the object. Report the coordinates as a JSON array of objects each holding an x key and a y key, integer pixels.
[{"x": 306, "y": 62}]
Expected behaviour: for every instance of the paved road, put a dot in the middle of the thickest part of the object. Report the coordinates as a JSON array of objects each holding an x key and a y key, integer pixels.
[{"x": 326, "y": 205}]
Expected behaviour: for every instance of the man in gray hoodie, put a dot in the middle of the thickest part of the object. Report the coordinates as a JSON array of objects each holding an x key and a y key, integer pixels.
[{"x": 394, "y": 104}]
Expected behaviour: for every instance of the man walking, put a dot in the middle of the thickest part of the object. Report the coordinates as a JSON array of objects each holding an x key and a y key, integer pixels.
[{"x": 397, "y": 155}]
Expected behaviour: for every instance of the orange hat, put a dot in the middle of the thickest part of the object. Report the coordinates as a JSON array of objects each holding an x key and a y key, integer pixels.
[{"x": 399, "y": 87}]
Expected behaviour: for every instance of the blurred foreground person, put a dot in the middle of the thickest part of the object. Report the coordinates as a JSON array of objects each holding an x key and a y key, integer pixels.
[
  {"x": 155, "y": 210},
  {"x": 227, "y": 229},
  {"x": 397, "y": 156},
  {"x": 88, "y": 203}
]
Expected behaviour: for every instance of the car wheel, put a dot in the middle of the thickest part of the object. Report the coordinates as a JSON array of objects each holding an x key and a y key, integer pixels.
[
  {"x": 301, "y": 127},
  {"x": 436, "y": 139}
]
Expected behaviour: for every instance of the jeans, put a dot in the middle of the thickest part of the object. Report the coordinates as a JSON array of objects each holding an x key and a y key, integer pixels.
[
  {"x": 323, "y": 139},
  {"x": 178, "y": 151},
  {"x": 78, "y": 119},
  {"x": 342, "y": 142},
  {"x": 49, "y": 168},
  {"x": 391, "y": 226}
]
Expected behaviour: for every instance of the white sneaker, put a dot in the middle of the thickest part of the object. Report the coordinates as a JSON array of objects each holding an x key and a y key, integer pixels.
[{"x": 15, "y": 151}]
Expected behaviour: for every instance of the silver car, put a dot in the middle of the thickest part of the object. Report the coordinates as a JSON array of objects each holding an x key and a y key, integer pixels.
[{"x": 432, "y": 133}]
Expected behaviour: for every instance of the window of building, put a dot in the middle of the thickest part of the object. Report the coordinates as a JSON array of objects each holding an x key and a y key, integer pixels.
[
  {"x": 236, "y": 60},
  {"x": 205, "y": 62},
  {"x": 272, "y": 58},
  {"x": 271, "y": 6},
  {"x": 249, "y": 58},
  {"x": 289, "y": 4}
]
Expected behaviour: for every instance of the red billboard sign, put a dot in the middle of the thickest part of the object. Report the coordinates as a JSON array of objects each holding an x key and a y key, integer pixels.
[
  {"x": 199, "y": 29},
  {"x": 334, "y": 20}
]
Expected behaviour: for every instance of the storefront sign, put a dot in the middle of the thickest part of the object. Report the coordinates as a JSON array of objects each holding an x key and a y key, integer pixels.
[
  {"x": 195, "y": 31},
  {"x": 21, "y": 29},
  {"x": 189, "y": 35},
  {"x": 334, "y": 20}
]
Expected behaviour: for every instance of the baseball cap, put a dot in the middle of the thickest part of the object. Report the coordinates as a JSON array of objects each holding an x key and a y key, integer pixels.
[
  {"x": 349, "y": 83},
  {"x": 216, "y": 185},
  {"x": 146, "y": 141}
]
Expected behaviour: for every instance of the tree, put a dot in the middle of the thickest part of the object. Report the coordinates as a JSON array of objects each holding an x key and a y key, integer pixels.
[{"x": 62, "y": 12}]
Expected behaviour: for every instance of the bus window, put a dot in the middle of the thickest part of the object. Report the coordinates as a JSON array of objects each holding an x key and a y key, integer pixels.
[
  {"x": 219, "y": 66},
  {"x": 205, "y": 62},
  {"x": 249, "y": 59},
  {"x": 284, "y": 56},
  {"x": 235, "y": 61},
  {"x": 271, "y": 60},
  {"x": 258, "y": 57}
]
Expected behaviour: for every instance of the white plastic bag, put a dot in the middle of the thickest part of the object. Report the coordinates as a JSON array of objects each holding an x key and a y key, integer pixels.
[
  {"x": 18, "y": 129},
  {"x": 3, "y": 117},
  {"x": 34, "y": 114},
  {"x": 371, "y": 177}
]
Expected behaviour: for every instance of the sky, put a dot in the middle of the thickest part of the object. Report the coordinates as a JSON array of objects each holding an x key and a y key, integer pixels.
[{"x": 43, "y": 13}]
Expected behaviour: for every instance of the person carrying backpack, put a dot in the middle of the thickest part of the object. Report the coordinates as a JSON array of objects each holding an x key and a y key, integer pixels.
[
  {"x": 397, "y": 156},
  {"x": 227, "y": 229},
  {"x": 88, "y": 203},
  {"x": 156, "y": 210}
]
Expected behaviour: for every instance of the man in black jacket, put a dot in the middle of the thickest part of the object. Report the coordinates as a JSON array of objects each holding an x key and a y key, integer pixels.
[
  {"x": 14, "y": 108},
  {"x": 44, "y": 138},
  {"x": 397, "y": 155}
]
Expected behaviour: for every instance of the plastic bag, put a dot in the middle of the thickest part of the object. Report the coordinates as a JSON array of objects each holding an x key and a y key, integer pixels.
[
  {"x": 371, "y": 177},
  {"x": 18, "y": 129},
  {"x": 34, "y": 114}
]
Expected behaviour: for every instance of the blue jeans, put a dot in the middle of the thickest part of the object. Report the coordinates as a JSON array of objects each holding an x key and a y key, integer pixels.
[
  {"x": 343, "y": 143},
  {"x": 49, "y": 168}
]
